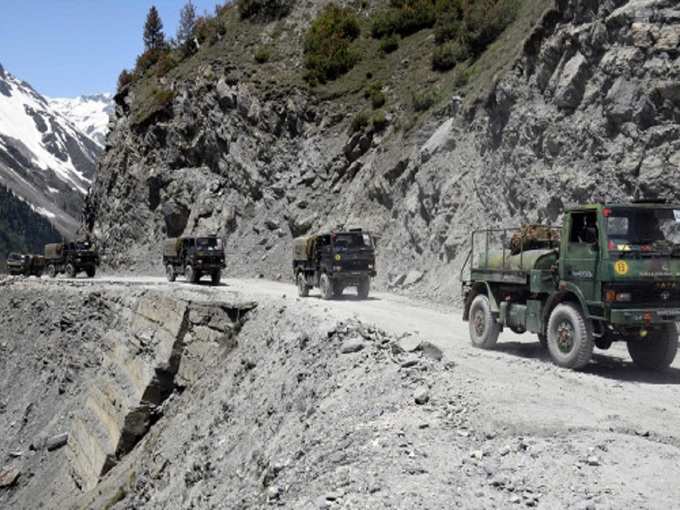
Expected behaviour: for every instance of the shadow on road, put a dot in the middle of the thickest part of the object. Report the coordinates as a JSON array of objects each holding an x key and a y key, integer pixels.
[
  {"x": 602, "y": 365},
  {"x": 347, "y": 297}
]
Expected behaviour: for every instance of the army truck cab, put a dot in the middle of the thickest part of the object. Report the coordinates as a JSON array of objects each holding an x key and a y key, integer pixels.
[
  {"x": 26, "y": 265},
  {"x": 610, "y": 273},
  {"x": 334, "y": 261},
  {"x": 71, "y": 258},
  {"x": 194, "y": 257}
]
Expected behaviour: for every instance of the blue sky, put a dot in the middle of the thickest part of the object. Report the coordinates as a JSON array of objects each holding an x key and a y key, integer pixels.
[{"x": 65, "y": 48}]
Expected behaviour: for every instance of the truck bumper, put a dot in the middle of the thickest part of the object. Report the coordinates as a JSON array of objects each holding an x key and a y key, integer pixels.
[
  {"x": 642, "y": 316},
  {"x": 350, "y": 278}
]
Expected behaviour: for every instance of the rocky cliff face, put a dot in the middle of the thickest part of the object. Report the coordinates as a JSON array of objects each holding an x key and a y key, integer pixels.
[{"x": 589, "y": 110}]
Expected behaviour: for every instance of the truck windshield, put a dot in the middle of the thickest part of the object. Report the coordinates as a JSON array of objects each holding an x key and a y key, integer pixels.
[
  {"x": 209, "y": 243},
  {"x": 642, "y": 229},
  {"x": 352, "y": 241}
]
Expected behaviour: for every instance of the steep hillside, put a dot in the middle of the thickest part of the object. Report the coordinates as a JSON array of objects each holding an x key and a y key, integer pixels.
[
  {"x": 90, "y": 114},
  {"x": 575, "y": 101},
  {"x": 44, "y": 159}
]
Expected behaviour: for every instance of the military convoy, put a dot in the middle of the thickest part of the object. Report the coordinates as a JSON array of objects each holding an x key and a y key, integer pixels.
[
  {"x": 25, "y": 264},
  {"x": 334, "y": 261},
  {"x": 610, "y": 273},
  {"x": 194, "y": 257}
]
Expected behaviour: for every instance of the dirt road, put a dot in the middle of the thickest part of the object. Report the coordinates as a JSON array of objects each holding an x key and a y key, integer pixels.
[{"x": 622, "y": 423}]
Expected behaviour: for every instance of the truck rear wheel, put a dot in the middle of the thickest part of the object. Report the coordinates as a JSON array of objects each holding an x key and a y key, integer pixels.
[
  {"x": 657, "y": 351},
  {"x": 51, "y": 271},
  {"x": 484, "y": 329},
  {"x": 70, "y": 270},
  {"x": 326, "y": 285},
  {"x": 364, "y": 288},
  {"x": 570, "y": 339},
  {"x": 303, "y": 289},
  {"x": 215, "y": 277},
  {"x": 170, "y": 273},
  {"x": 90, "y": 271}
]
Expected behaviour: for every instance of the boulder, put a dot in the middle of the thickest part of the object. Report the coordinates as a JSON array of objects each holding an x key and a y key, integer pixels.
[
  {"x": 571, "y": 84},
  {"x": 352, "y": 345}
]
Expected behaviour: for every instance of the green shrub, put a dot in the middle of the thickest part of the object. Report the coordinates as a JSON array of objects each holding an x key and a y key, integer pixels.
[
  {"x": 209, "y": 30},
  {"x": 264, "y": 9},
  {"x": 379, "y": 121},
  {"x": 167, "y": 62},
  {"x": 389, "y": 43},
  {"x": 125, "y": 78},
  {"x": 359, "y": 122},
  {"x": 462, "y": 77},
  {"x": 146, "y": 60},
  {"x": 485, "y": 21},
  {"x": 151, "y": 102},
  {"x": 422, "y": 101},
  {"x": 375, "y": 94},
  {"x": 328, "y": 43},
  {"x": 404, "y": 17},
  {"x": 447, "y": 56},
  {"x": 263, "y": 54}
]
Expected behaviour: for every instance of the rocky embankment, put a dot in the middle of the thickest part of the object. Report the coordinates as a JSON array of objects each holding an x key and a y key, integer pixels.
[{"x": 590, "y": 110}]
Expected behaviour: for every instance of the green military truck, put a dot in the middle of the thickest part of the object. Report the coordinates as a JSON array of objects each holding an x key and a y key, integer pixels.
[
  {"x": 194, "y": 257},
  {"x": 610, "y": 273},
  {"x": 334, "y": 261},
  {"x": 25, "y": 264},
  {"x": 71, "y": 258}
]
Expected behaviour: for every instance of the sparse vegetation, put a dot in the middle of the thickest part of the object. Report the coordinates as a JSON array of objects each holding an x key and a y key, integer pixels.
[
  {"x": 446, "y": 57},
  {"x": 124, "y": 78},
  {"x": 264, "y": 9},
  {"x": 209, "y": 30},
  {"x": 360, "y": 121},
  {"x": 263, "y": 54},
  {"x": 375, "y": 94},
  {"x": 155, "y": 100},
  {"x": 379, "y": 121},
  {"x": 389, "y": 43},
  {"x": 404, "y": 17},
  {"x": 422, "y": 101},
  {"x": 328, "y": 48}
]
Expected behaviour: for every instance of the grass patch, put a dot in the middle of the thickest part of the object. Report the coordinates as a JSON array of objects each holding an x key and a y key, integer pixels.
[
  {"x": 422, "y": 101},
  {"x": 360, "y": 121},
  {"x": 152, "y": 102},
  {"x": 263, "y": 54},
  {"x": 389, "y": 43},
  {"x": 375, "y": 94},
  {"x": 379, "y": 120},
  {"x": 264, "y": 9},
  {"x": 329, "y": 52}
]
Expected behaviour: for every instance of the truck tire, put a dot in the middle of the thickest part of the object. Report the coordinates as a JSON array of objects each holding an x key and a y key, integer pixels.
[
  {"x": 657, "y": 351},
  {"x": 215, "y": 277},
  {"x": 326, "y": 286},
  {"x": 190, "y": 274},
  {"x": 543, "y": 340},
  {"x": 90, "y": 271},
  {"x": 51, "y": 271},
  {"x": 338, "y": 290},
  {"x": 484, "y": 329},
  {"x": 570, "y": 338},
  {"x": 70, "y": 270},
  {"x": 303, "y": 289},
  {"x": 170, "y": 273},
  {"x": 364, "y": 288}
]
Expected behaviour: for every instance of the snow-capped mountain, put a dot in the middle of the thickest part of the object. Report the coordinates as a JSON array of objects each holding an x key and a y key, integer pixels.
[
  {"x": 88, "y": 113},
  {"x": 45, "y": 160}
]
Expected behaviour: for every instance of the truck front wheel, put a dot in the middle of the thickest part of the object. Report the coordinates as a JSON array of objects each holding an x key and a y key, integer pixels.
[
  {"x": 90, "y": 271},
  {"x": 656, "y": 351},
  {"x": 170, "y": 273},
  {"x": 70, "y": 270},
  {"x": 570, "y": 339},
  {"x": 51, "y": 271},
  {"x": 216, "y": 277},
  {"x": 303, "y": 289},
  {"x": 484, "y": 329},
  {"x": 364, "y": 288},
  {"x": 326, "y": 285},
  {"x": 191, "y": 275}
]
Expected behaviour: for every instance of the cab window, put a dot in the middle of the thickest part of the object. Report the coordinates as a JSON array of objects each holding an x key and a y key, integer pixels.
[{"x": 583, "y": 228}]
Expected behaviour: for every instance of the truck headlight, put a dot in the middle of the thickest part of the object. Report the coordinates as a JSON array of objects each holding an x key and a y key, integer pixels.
[
  {"x": 618, "y": 297},
  {"x": 337, "y": 268},
  {"x": 370, "y": 266}
]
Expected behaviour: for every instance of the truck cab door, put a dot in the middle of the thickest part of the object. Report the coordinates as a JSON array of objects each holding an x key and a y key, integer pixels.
[{"x": 581, "y": 253}]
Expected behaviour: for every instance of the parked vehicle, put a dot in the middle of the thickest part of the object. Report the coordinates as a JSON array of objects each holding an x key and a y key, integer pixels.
[
  {"x": 25, "y": 264},
  {"x": 194, "y": 257},
  {"x": 71, "y": 258},
  {"x": 334, "y": 261},
  {"x": 611, "y": 273}
]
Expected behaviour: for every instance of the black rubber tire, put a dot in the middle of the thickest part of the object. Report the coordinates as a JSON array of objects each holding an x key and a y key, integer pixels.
[
  {"x": 303, "y": 289},
  {"x": 657, "y": 351},
  {"x": 575, "y": 348},
  {"x": 543, "y": 340},
  {"x": 364, "y": 288},
  {"x": 51, "y": 271},
  {"x": 70, "y": 270},
  {"x": 326, "y": 286},
  {"x": 484, "y": 329},
  {"x": 90, "y": 271},
  {"x": 338, "y": 290},
  {"x": 170, "y": 273},
  {"x": 216, "y": 277}
]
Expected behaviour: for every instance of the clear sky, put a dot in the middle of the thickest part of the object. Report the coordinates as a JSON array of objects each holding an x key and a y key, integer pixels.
[{"x": 66, "y": 48}]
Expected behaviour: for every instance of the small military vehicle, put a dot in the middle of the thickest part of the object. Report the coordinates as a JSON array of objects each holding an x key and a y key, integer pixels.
[
  {"x": 194, "y": 257},
  {"x": 334, "y": 261},
  {"x": 24, "y": 264},
  {"x": 71, "y": 258},
  {"x": 610, "y": 273}
]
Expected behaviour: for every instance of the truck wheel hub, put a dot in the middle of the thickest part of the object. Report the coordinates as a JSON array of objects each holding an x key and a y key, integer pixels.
[
  {"x": 479, "y": 323},
  {"x": 565, "y": 337}
]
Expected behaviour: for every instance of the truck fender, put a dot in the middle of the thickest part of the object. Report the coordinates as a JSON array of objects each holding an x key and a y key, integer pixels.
[
  {"x": 477, "y": 289},
  {"x": 569, "y": 293}
]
